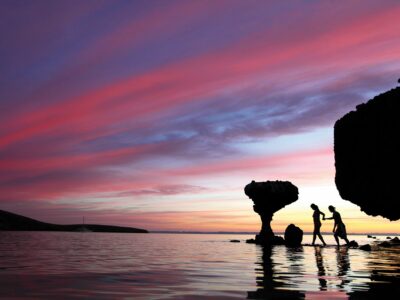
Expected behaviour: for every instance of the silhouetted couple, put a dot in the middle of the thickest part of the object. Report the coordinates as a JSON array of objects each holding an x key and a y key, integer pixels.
[{"x": 339, "y": 229}]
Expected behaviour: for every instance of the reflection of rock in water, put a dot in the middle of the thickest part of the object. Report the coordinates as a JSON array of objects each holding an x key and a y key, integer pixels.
[
  {"x": 367, "y": 156},
  {"x": 295, "y": 258},
  {"x": 321, "y": 269},
  {"x": 379, "y": 290},
  {"x": 269, "y": 287},
  {"x": 385, "y": 276}
]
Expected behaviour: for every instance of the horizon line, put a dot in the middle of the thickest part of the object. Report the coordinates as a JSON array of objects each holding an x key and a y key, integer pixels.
[{"x": 250, "y": 232}]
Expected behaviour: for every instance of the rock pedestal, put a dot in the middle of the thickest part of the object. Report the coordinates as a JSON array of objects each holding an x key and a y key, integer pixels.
[{"x": 269, "y": 197}]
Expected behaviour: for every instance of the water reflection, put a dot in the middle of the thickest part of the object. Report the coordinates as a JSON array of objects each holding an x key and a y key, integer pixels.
[
  {"x": 384, "y": 282},
  {"x": 295, "y": 263},
  {"x": 327, "y": 273},
  {"x": 160, "y": 266},
  {"x": 271, "y": 285},
  {"x": 321, "y": 269},
  {"x": 343, "y": 263}
]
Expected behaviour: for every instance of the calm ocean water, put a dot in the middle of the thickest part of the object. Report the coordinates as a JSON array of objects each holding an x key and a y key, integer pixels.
[{"x": 48, "y": 265}]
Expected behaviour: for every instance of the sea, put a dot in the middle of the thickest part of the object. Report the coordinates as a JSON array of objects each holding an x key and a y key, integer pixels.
[{"x": 87, "y": 265}]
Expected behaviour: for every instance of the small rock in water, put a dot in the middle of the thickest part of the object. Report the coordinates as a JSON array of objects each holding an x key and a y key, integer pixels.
[
  {"x": 278, "y": 240},
  {"x": 395, "y": 240},
  {"x": 388, "y": 238},
  {"x": 370, "y": 236},
  {"x": 234, "y": 241},
  {"x": 267, "y": 241},
  {"x": 365, "y": 247},
  {"x": 353, "y": 244},
  {"x": 251, "y": 241},
  {"x": 293, "y": 236},
  {"x": 385, "y": 244}
]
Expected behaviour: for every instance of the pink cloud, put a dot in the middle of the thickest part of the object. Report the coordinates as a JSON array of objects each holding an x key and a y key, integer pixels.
[
  {"x": 49, "y": 151},
  {"x": 298, "y": 159},
  {"x": 194, "y": 79}
]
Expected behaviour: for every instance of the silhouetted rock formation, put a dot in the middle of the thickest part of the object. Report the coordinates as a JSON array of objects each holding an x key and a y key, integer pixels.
[
  {"x": 385, "y": 244},
  {"x": 14, "y": 222},
  {"x": 275, "y": 240},
  {"x": 392, "y": 243},
  {"x": 367, "y": 155},
  {"x": 365, "y": 247},
  {"x": 353, "y": 244},
  {"x": 395, "y": 240},
  {"x": 293, "y": 236},
  {"x": 268, "y": 198}
]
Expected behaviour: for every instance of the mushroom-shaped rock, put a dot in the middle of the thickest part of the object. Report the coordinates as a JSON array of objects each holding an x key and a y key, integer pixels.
[
  {"x": 268, "y": 198},
  {"x": 293, "y": 236},
  {"x": 367, "y": 155}
]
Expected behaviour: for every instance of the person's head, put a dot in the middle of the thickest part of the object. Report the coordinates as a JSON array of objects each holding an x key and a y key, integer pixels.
[
  {"x": 314, "y": 207},
  {"x": 331, "y": 208}
]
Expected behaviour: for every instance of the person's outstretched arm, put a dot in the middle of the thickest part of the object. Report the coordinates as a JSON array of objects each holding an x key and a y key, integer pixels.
[{"x": 323, "y": 215}]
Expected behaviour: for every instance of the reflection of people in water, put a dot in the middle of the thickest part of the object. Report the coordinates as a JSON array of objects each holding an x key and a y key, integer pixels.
[
  {"x": 317, "y": 224},
  {"x": 343, "y": 262},
  {"x": 339, "y": 228},
  {"x": 321, "y": 269}
]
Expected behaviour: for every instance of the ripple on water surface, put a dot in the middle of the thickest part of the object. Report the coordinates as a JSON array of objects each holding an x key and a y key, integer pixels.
[{"x": 186, "y": 266}]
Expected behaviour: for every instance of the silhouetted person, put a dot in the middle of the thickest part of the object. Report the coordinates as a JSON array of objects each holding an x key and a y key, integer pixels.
[
  {"x": 317, "y": 224},
  {"x": 339, "y": 228}
]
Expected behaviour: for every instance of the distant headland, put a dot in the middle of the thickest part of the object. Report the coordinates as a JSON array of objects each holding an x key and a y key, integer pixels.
[{"x": 13, "y": 222}]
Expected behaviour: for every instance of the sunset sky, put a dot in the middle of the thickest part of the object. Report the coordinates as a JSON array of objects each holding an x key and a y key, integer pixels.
[{"x": 156, "y": 114}]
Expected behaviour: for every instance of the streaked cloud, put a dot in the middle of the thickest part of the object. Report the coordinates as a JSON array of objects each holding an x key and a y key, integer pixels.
[{"x": 137, "y": 100}]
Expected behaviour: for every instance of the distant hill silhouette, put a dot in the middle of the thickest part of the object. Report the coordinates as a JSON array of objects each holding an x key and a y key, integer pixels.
[
  {"x": 367, "y": 155},
  {"x": 14, "y": 222}
]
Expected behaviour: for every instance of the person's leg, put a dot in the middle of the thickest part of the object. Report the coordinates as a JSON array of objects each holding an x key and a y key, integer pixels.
[
  {"x": 314, "y": 237},
  {"x": 321, "y": 238},
  {"x": 344, "y": 234},
  {"x": 317, "y": 231},
  {"x": 337, "y": 239}
]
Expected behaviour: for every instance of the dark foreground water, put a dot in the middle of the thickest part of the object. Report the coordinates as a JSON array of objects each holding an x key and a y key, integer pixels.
[{"x": 49, "y": 265}]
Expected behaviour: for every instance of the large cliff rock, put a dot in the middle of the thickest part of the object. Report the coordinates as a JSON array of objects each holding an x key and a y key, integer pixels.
[
  {"x": 268, "y": 198},
  {"x": 367, "y": 155}
]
